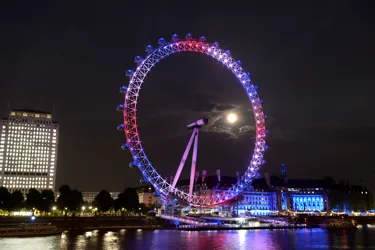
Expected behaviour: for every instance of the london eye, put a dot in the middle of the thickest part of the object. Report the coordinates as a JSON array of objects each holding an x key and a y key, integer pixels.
[{"x": 133, "y": 142}]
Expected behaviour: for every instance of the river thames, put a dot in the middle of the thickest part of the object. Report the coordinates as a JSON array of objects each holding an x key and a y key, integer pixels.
[{"x": 362, "y": 238}]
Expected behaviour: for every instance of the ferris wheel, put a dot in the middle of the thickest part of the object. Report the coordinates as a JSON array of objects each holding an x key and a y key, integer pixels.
[{"x": 133, "y": 142}]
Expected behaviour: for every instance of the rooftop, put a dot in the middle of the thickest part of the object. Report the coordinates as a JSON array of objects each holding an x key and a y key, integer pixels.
[{"x": 31, "y": 111}]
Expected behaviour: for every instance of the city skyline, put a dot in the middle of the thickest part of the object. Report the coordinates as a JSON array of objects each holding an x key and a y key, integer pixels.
[{"x": 312, "y": 63}]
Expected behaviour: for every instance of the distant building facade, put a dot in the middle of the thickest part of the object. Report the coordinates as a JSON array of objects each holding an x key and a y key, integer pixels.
[
  {"x": 272, "y": 195},
  {"x": 146, "y": 195},
  {"x": 89, "y": 197},
  {"x": 28, "y": 150}
]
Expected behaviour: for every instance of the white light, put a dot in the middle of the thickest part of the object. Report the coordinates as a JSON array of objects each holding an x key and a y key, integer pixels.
[{"x": 231, "y": 117}]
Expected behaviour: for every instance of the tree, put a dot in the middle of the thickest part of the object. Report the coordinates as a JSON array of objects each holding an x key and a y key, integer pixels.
[
  {"x": 129, "y": 199},
  {"x": 70, "y": 199},
  {"x": 33, "y": 199},
  {"x": 145, "y": 208},
  {"x": 4, "y": 198},
  {"x": 47, "y": 200},
  {"x": 16, "y": 200},
  {"x": 76, "y": 200},
  {"x": 103, "y": 201},
  {"x": 118, "y": 203},
  {"x": 64, "y": 197}
]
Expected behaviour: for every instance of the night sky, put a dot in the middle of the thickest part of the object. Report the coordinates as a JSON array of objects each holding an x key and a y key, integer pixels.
[{"x": 313, "y": 60}]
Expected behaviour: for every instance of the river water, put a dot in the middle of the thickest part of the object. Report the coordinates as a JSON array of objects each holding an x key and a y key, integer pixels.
[{"x": 362, "y": 238}]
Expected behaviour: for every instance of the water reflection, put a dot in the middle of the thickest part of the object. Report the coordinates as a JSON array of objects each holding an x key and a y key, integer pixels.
[{"x": 363, "y": 238}]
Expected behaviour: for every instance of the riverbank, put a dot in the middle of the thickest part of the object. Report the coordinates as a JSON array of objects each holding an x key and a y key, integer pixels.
[{"x": 141, "y": 222}]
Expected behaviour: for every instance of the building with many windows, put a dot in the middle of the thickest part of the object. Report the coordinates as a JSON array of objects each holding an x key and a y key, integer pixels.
[
  {"x": 146, "y": 195},
  {"x": 89, "y": 197},
  {"x": 28, "y": 150}
]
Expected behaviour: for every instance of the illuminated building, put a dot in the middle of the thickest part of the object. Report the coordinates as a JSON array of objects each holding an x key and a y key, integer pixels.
[
  {"x": 146, "y": 195},
  {"x": 28, "y": 150},
  {"x": 257, "y": 203},
  {"x": 89, "y": 197}
]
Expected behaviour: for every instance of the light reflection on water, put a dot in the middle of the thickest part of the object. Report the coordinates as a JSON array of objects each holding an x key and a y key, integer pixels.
[{"x": 363, "y": 238}]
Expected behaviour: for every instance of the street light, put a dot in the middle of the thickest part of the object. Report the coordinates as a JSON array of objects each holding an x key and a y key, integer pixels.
[
  {"x": 83, "y": 208},
  {"x": 54, "y": 208}
]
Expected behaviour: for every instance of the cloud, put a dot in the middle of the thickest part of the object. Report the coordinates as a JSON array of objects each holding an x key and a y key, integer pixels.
[{"x": 218, "y": 124}]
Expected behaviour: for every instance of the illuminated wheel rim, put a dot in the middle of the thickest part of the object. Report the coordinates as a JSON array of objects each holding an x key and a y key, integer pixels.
[{"x": 129, "y": 109}]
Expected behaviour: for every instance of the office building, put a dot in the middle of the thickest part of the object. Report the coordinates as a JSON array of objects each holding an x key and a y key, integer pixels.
[{"x": 28, "y": 150}]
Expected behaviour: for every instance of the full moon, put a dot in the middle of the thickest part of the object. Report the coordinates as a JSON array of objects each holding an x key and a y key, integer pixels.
[{"x": 231, "y": 117}]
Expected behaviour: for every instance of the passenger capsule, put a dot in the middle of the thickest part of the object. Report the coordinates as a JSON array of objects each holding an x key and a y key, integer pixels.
[
  {"x": 125, "y": 146},
  {"x": 264, "y": 162},
  {"x": 175, "y": 38},
  {"x": 161, "y": 41},
  {"x": 120, "y": 127},
  {"x": 239, "y": 62},
  {"x": 129, "y": 72},
  {"x": 215, "y": 44},
  {"x": 249, "y": 74},
  {"x": 256, "y": 86},
  {"x": 189, "y": 37},
  {"x": 202, "y": 39},
  {"x": 133, "y": 164},
  {"x": 123, "y": 89},
  {"x": 265, "y": 116},
  {"x": 149, "y": 49},
  {"x": 227, "y": 52},
  {"x": 138, "y": 59},
  {"x": 266, "y": 147},
  {"x": 143, "y": 180},
  {"x": 120, "y": 107}
]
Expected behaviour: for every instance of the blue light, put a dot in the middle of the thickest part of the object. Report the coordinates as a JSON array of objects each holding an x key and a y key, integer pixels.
[
  {"x": 129, "y": 72},
  {"x": 307, "y": 202},
  {"x": 161, "y": 41},
  {"x": 202, "y": 39},
  {"x": 120, "y": 107},
  {"x": 123, "y": 89},
  {"x": 133, "y": 164},
  {"x": 32, "y": 217},
  {"x": 174, "y": 37},
  {"x": 138, "y": 59},
  {"x": 125, "y": 146},
  {"x": 120, "y": 127},
  {"x": 149, "y": 48}
]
